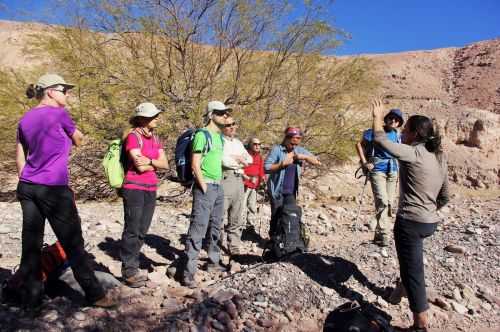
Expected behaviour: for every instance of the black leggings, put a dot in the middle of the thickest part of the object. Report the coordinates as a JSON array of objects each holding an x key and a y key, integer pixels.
[
  {"x": 409, "y": 236},
  {"x": 55, "y": 203}
]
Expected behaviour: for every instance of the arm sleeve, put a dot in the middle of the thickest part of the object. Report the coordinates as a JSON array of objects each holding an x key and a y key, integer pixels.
[
  {"x": 248, "y": 157},
  {"x": 272, "y": 158},
  {"x": 131, "y": 142},
  {"x": 67, "y": 123},
  {"x": 402, "y": 152},
  {"x": 199, "y": 142},
  {"x": 227, "y": 160},
  {"x": 443, "y": 196}
]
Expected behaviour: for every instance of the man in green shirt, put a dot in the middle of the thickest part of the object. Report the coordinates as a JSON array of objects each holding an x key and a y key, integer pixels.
[{"x": 208, "y": 196}]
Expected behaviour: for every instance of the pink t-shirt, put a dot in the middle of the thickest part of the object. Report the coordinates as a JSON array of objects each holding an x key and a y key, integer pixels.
[{"x": 151, "y": 149}]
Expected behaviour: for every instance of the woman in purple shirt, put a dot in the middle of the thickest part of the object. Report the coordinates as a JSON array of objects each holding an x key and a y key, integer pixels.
[{"x": 44, "y": 138}]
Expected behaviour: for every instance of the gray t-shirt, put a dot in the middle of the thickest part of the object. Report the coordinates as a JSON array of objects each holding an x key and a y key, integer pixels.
[{"x": 423, "y": 180}]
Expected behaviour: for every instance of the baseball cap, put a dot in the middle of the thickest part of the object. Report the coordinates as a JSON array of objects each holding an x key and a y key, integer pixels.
[
  {"x": 49, "y": 80},
  {"x": 215, "y": 105},
  {"x": 147, "y": 110},
  {"x": 396, "y": 113},
  {"x": 293, "y": 131}
]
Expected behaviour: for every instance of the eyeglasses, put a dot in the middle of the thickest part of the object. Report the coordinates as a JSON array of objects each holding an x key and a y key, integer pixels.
[
  {"x": 256, "y": 144},
  {"x": 64, "y": 90},
  {"x": 228, "y": 125},
  {"x": 220, "y": 112}
]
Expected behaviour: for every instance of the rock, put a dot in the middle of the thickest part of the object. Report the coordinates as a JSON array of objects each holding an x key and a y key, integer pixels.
[
  {"x": 80, "y": 316},
  {"x": 488, "y": 296},
  {"x": 158, "y": 276},
  {"x": 456, "y": 294},
  {"x": 267, "y": 323},
  {"x": 235, "y": 267},
  {"x": 221, "y": 296},
  {"x": 322, "y": 216},
  {"x": 230, "y": 308},
  {"x": 171, "y": 271},
  {"x": 218, "y": 326},
  {"x": 308, "y": 325},
  {"x": 441, "y": 302},
  {"x": 223, "y": 317},
  {"x": 468, "y": 293},
  {"x": 486, "y": 306},
  {"x": 460, "y": 308},
  {"x": 170, "y": 305},
  {"x": 455, "y": 249},
  {"x": 381, "y": 302},
  {"x": 51, "y": 316},
  {"x": 384, "y": 253},
  {"x": 289, "y": 315}
]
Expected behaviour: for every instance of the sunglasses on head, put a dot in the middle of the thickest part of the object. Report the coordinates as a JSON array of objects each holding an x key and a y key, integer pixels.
[
  {"x": 220, "y": 112},
  {"x": 230, "y": 125}
]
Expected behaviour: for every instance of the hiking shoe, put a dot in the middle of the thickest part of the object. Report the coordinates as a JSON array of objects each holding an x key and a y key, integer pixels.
[
  {"x": 107, "y": 301},
  {"x": 189, "y": 282},
  {"x": 397, "y": 293},
  {"x": 137, "y": 280},
  {"x": 211, "y": 267},
  {"x": 381, "y": 240}
]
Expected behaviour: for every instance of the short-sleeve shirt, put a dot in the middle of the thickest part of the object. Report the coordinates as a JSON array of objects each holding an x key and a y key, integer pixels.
[
  {"x": 151, "y": 146},
  {"x": 45, "y": 133},
  {"x": 382, "y": 160},
  {"x": 211, "y": 162}
]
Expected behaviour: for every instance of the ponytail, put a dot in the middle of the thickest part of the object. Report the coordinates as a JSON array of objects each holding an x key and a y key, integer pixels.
[
  {"x": 427, "y": 133},
  {"x": 34, "y": 91}
]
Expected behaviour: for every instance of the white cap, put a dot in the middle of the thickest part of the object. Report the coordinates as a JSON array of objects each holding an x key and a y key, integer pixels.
[
  {"x": 147, "y": 110},
  {"x": 50, "y": 80},
  {"x": 215, "y": 105}
]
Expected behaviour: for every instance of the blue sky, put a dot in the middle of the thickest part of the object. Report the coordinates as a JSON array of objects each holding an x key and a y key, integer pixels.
[{"x": 376, "y": 26}]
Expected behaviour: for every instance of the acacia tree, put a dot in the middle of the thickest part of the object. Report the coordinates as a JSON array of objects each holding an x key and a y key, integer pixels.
[{"x": 257, "y": 55}]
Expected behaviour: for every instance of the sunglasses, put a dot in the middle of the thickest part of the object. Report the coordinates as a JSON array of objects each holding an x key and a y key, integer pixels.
[
  {"x": 220, "y": 112},
  {"x": 64, "y": 90},
  {"x": 256, "y": 144},
  {"x": 230, "y": 125}
]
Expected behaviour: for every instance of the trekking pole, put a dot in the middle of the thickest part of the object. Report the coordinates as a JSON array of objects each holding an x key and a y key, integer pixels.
[{"x": 360, "y": 199}]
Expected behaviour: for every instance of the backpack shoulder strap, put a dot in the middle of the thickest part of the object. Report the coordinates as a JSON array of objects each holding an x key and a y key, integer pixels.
[
  {"x": 139, "y": 138},
  {"x": 208, "y": 138}
]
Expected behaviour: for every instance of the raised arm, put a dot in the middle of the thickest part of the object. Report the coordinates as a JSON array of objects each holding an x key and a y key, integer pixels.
[{"x": 402, "y": 152}]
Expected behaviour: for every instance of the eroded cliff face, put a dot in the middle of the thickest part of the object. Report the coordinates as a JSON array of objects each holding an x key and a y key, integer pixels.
[{"x": 460, "y": 88}]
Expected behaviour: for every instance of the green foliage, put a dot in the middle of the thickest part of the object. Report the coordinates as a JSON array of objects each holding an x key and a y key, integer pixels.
[{"x": 179, "y": 55}]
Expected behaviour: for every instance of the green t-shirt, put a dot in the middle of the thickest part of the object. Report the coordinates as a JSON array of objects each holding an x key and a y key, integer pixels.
[{"x": 211, "y": 162}]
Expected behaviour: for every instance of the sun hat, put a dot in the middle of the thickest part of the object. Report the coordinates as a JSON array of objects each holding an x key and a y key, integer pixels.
[
  {"x": 146, "y": 110},
  {"x": 50, "y": 80},
  {"x": 396, "y": 113}
]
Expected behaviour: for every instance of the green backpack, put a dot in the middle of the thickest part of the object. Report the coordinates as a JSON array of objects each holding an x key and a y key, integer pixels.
[{"x": 115, "y": 160}]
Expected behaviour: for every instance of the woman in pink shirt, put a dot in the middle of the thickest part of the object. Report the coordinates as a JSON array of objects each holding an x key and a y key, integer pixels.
[{"x": 144, "y": 155}]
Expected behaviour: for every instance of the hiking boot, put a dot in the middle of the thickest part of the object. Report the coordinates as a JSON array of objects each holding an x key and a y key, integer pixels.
[
  {"x": 137, "y": 280},
  {"x": 397, "y": 293},
  {"x": 381, "y": 240},
  {"x": 211, "y": 267},
  {"x": 107, "y": 301},
  {"x": 189, "y": 282}
]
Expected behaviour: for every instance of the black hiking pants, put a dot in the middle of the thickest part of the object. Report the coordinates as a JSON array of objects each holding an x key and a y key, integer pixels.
[
  {"x": 276, "y": 208},
  {"x": 139, "y": 207},
  {"x": 57, "y": 204},
  {"x": 409, "y": 236}
]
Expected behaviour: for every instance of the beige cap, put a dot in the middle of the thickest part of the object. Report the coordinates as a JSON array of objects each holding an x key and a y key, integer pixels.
[
  {"x": 147, "y": 110},
  {"x": 215, "y": 105},
  {"x": 49, "y": 80}
]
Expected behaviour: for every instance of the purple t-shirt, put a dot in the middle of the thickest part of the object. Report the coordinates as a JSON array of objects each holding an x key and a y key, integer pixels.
[
  {"x": 289, "y": 181},
  {"x": 45, "y": 132}
]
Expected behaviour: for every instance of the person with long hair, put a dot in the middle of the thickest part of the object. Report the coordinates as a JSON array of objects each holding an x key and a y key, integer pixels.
[
  {"x": 45, "y": 135},
  {"x": 145, "y": 155},
  {"x": 423, "y": 190}
]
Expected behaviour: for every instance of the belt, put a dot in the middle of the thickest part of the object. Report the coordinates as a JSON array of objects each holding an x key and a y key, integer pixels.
[
  {"x": 232, "y": 172},
  {"x": 210, "y": 181}
]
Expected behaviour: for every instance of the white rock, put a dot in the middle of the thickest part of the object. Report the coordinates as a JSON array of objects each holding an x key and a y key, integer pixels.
[{"x": 461, "y": 309}]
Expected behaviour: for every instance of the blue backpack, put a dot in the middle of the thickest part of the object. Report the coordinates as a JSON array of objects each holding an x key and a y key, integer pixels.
[{"x": 184, "y": 152}]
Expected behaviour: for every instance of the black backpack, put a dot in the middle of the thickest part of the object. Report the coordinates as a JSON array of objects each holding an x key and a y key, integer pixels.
[
  {"x": 353, "y": 317},
  {"x": 288, "y": 236},
  {"x": 183, "y": 154}
]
